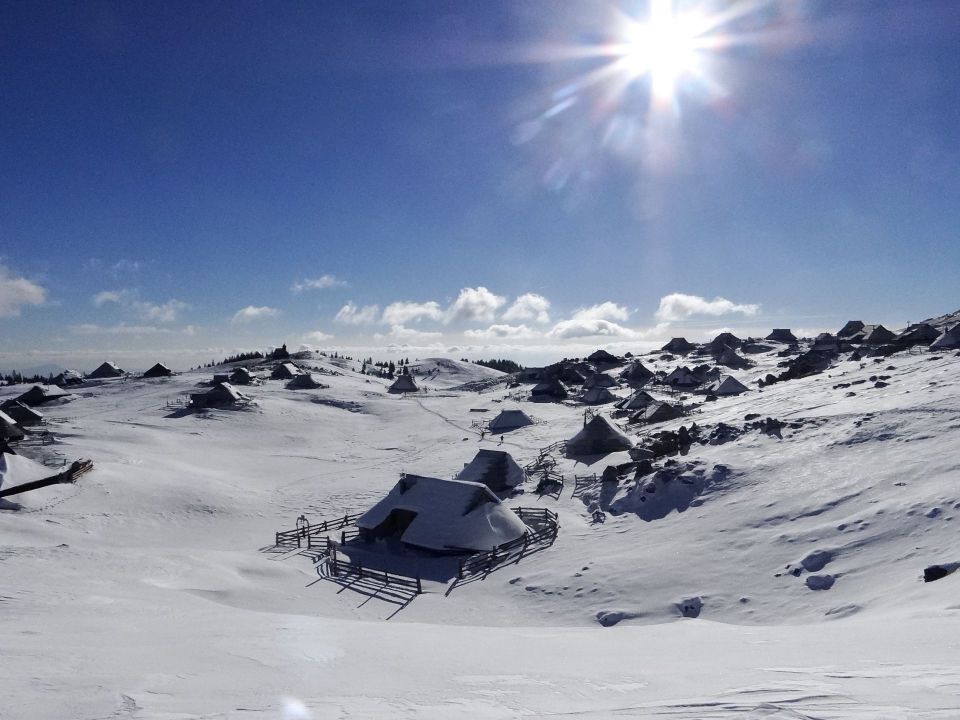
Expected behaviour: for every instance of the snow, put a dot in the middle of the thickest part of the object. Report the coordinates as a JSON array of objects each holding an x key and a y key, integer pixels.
[{"x": 149, "y": 589}]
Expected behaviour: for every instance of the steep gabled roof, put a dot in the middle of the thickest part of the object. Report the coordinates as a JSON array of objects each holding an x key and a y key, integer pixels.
[
  {"x": 851, "y": 328},
  {"x": 549, "y": 389},
  {"x": 224, "y": 393},
  {"x": 158, "y": 370},
  {"x": 10, "y": 430},
  {"x": 303, "y": 381},
  {"x": 241, "y": 376},
  {"x": 285, "y": 371},
  {"x": 682, "y": 377},
  {"x": 678, "y": 345},
  {"x": 878, "y": 335},
  {"x": 731, "y": 358},
  {"x": 598, "y": 396},
  {"x": 107, "y": 370},
  {"x": 68, "y": 377},
  {"x": 598, "y": 437},
  {"x": 637, "y": 401},
  {"x": 604, "y": 358},
  {"x": 950, "y": 339},
  {"x": 509, "y": 420},
  {"x": 600, "y": 380},
  {"x": 636, "y": 372},
  {"x": 40, "y": 394},
  {"x": 727, "y": 385},
  {"x": 782, "y": 335},
  {"x": 657, "y": 412},
  {"x": 22, "y": 414},
  {"x": 725, "y": 340},
  {"x": 494, "y": 468},
  {"x": 403, "y": 384}
]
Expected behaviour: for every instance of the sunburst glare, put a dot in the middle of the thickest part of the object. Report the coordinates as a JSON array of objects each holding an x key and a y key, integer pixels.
[{"x": 664, "y": 47}]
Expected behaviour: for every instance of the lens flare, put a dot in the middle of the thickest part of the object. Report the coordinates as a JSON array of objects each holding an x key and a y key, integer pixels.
[{"x": 665, "y": 48}]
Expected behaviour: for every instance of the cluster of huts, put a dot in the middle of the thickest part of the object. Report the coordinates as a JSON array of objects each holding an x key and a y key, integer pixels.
[{"x": 466, "y": 514}]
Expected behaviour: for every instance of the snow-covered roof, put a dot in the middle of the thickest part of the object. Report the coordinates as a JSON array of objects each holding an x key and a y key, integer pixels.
[
  {"x": 9, "y": 429},
  {"x": 224, "y": 392},
  {"x": 107, "y": 370},
  {"x": 658, "y": 412},
  {"x": 727, "y": 385},
  {"x": 636, "y": 371},
  {"x": 509, "y": 420},
  {"x": 39, "y": 394},
  {"x": 450, "y": 515},
  {"x": 285, "y": 370},
  {"x": 639, "y": 400},
  {"x": 782, "y": 335},
  {"x": 949, "y": 339},
  {"x": 682, "y": 376},
  {"x": 597, "y": 396},
  {"x": 23, "y": 414},
  {"x": 16, "y": 470},
  {"x": 494, "y": 468},
  {"x": 678, "y": 345},
  {"x": 158, "y": 370},
  {"x": 599, "y": 380},
  {"x": 304, "y": 381},
  {"x": 598, "y": 437}
]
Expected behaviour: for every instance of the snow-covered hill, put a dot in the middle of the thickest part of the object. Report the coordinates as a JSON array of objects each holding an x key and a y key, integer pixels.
[{"x": 149, "y": 590}]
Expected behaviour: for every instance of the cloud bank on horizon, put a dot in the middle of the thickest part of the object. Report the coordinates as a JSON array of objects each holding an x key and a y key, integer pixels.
[{"x": 475, "y": 318}]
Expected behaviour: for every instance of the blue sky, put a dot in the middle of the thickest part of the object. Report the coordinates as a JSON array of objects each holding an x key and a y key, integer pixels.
[{"x": 179, "y": 180}]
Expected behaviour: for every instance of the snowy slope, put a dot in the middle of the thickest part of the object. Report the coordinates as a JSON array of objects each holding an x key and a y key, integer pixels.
[{"x": 148, "y": 590}]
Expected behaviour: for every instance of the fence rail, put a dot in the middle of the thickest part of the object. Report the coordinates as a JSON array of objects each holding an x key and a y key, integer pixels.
[
  {"x": 544, "y": 525},
  {"x": 515, "y": 549},
  {"x": 306, "y": 531},
  {"x": 338, "y": 567}
]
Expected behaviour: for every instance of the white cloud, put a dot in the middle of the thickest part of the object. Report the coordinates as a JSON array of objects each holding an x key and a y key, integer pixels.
[
  {"x": 253, "y": 313},
  {"x": 350, "y": 314},
  {"x": 317, "y": 336},
  {"x": 477, "y": 304},
  {"x": 499, "y": 331},
  {"x": 529, "y": 306},
  {"x": 143, "y": 309},
  {"x": 124, "y": 266},
  {"x": 405, "y": 334},
  {"x": 589, "y": 327},
  {"x": 399, "y": 313},
  {"x": 118, "y": 329},
  {"x": 596, "y": 320},
  {"x": 15, "y": 292},
  {"x": 120, "y": 297},
  {"x": 678, "y": 306},
  {"x": 165, "y": 312},
  {"x": 321, "y": 283}
]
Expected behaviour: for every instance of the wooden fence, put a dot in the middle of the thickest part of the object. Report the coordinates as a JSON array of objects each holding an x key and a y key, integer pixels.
[
  {"x": 546, "y": 532},
  {"x": 306, "y": 531},
  {"x": 544, "y": 525},
  {"x": 338, "y": 567}
]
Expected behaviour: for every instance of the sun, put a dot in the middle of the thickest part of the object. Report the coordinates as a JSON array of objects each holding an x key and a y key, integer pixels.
[{"x": 663, "y": 48}]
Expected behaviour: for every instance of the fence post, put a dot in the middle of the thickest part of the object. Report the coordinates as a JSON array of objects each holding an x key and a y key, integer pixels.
[{"x": 419, "y": 586}]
